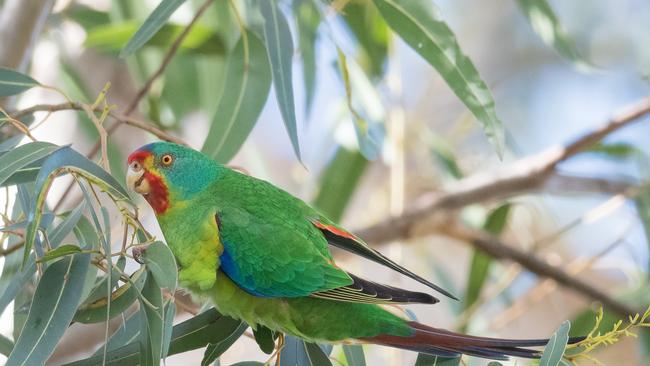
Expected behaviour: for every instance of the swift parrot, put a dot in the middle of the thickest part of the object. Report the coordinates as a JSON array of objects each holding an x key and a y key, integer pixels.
[{"x": 263, "y": 256}]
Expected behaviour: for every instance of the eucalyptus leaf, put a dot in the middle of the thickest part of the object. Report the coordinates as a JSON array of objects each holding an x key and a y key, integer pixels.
[
  {"x": 6, "y": 345},
  {"x": 162, "y": 265},
  {"x": 264, "y": 339},
  {"x": 61, "y": 251},
  {"x": 66, "y": 226},
  {"x": 151, "y": 25},
  {"x": 13, "y": 82},
  {"x": 279, "y": 46},
  {"x": 554, "y": 350},
  {"x": 307, "y": 21},
  {"x": 417, "y": 22},
  {"x": 52, "y": 309},
  {"x": 247, "y": 86},
  {"x": 126, "y": 334},
  {"x": 151, "y": 326},
  {"x": 215, "y": 350},
  {"x": 22, "y": 156},
  {"x": 545, "y": 23},
  {"x": 168, "y": 326},
  {"x": 354, "y": 355},
  {"x": 431, "y": 360}
]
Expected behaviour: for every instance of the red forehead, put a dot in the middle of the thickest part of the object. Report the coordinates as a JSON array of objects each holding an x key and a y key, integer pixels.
[{"x": 138, "y": 155}]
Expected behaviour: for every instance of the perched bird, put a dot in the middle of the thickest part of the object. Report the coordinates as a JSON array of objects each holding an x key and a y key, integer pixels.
[{"x": 262, "y": 255}]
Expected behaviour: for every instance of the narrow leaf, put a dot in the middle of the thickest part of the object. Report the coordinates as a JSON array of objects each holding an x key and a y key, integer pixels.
[
  {"x": 264, "y": 339},
  {"x": 22, "y": 156},
  {"x": 61, "y": 251},
  {"x": 215, "y": 350},
  {"x": 545, "y": 23},
  {"x": 307, "y": 21},
  {"x": 168, "y": 326},
  {"x": 12, "y": 82},
  {"x": 127, "y": 333},
  {"x": 247, "y": 86},
  {"x": 151, "y": 329},
  {"x": 316, "y": 355},
  {"x": 556, "y": 345},
  {"x": 418, "y": 24},
  {"x": 354, "y": 355},
  {"x": 430, "y": 360},
  {"x": 151, "y": 25},
  {"x": 52, "y": 309},
  {"x": 66, "y": 226},
  {"x": 279, "y": 46},
  {"x": 6, "y": 345}
]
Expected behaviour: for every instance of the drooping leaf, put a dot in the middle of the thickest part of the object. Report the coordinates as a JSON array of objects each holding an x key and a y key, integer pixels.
[
  {"x": 418, "y": 24},
  {"x": 53, "y": 306},
  {"x": 279, "y": 47},
  {"x": 372, "y": 33},
  {"x": 247, "y": 86},
  {"x": 13, "y": 82},
  {"x": 151, "y": 25},
  {"x": 556, "y": 345},
  {"x": 481, "y": 262},
  {"x": 56, "y": 163},
  {"x": 215, "y": 350},
  {"x": 126, "y": 334},
  {"x": 307, "y": 21},
  {"x": 168, "y": 326},
  {"x": 201, "y": 40},
  {"x": 66, "y": 226},
  {"x": 294, "y": 352},
  {"x": 354, "y": 355},
  {"x": 151, "y": 327},
  {"x": 338, "y": 182},
  {"x": 317, "y": 355},
  {"x": 264, "y": 339},
  {"x": 545, "y": 23},
  {"x": 18, "y": 280},
  {"x": 120, "y": 300},
  {"x": 22, "y": 156},
  {"x": 61, "y": 251},
  {"x": 162, "y": 265}
]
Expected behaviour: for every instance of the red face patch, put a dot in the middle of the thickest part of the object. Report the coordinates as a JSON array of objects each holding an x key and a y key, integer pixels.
[{"x": 158, "y": 196}]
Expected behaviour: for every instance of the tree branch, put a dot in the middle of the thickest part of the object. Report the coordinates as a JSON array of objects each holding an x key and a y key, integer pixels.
[{"x": 524, "y": 175}]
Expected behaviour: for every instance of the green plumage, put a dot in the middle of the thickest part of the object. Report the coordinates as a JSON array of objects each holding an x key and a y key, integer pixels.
[{"x": 261, "y": 255}]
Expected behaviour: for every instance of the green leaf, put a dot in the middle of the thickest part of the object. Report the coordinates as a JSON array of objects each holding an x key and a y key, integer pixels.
[
  {"x": 545, "y": 23},
  {"x": 162, "y": 265},
  {"x": 61, "y": 251},
  {"x": 168, "y": 326},
  {"x": 151, "y": 327},
  {"x": 52, "y": 166},
  {"x": 52, "y": 309},
  {"x": 279, "y": 47},
  {"x": 201, "y": 40},
  {"x": 494, "y": 363},
  {"x": 247, "y": 86},
  {"x": 307, "y": 21},
  {"x": 294, "y": 352},
  {"x": 66, "y": 226},
  {"x": 151, "y": 25},
  {"x": 264, "y": 339},
  {"x": 338, "y": 182},
  {"x": 85, "y": 234},
  {"x": 12, "y": 82},
  {"x": 614, "y": 150},
  {"x": 372, "y": 33},
  {"x": 17, "y": 282},
  {"x": 126, "y": 334},
  {"x": 430, "y": 360},
  {"x": 354, "y": 355},
  {"x": 248, "y": 363},
  {"x": 418, "y": 24},
  {"x": 121, "y": 299},
  {"x": 22, "y": 156},
  {"x": 556, "y": 345},
  {"x": 317, "y": 355},
  {"x": 214, "y": 350},
  {"x": 481, "y": 262},
  {"x": 207, "y": 327},
  {"x": 6, "y": 345}
]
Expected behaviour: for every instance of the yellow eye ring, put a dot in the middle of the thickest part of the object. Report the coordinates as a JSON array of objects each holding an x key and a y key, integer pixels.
[{"x": 167, "y": 160}]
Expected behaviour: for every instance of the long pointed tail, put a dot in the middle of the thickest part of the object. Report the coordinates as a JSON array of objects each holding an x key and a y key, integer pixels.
[{"x": 444, "y": 343}]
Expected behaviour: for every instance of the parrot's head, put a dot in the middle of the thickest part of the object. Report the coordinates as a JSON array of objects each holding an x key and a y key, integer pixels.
[{"x": 167, "y": 174}]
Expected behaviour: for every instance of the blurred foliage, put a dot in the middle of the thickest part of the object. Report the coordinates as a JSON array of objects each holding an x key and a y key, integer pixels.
[{"x": 66, "y": 270}]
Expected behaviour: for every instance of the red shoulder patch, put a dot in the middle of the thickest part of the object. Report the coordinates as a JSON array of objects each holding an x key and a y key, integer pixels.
[{"x": 334, "y": 230}]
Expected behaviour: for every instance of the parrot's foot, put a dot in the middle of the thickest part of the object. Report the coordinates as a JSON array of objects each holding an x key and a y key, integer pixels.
[{"x": 278, "y": 350}]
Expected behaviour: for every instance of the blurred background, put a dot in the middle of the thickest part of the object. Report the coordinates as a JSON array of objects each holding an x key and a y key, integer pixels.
[{"x": 425, "y": 142}]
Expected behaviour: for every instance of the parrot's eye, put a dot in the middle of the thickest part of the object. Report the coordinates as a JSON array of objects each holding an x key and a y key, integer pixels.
[
  {"x": 167, "y": 160},
  {"x": 135, "y": 166}
]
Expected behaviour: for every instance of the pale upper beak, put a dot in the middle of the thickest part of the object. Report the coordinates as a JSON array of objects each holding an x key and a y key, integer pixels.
[{"x": 135, "y": 178}]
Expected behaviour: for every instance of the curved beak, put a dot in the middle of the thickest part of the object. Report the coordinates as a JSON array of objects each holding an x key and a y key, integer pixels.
[{"x": 135, "y": 179}]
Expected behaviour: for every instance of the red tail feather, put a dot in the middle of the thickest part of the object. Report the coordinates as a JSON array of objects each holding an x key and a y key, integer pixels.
[{"x": 444, "y": 343}]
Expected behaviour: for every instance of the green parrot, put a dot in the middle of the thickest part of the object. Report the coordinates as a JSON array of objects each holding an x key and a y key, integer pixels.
[{"x": 262, "y": 255}]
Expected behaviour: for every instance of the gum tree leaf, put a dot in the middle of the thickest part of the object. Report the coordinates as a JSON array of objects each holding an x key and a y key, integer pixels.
[
  {"x": 354, "y": 355},
  {"x": 22, "y": 156},
  {"x": 13, "y": 82},
  {"x": 547, "y": 26},
  {"x": 55, "y": 301},
  {"x": 168, "y": 326},
  {"x": 214, "y": 350},
  {"x": 161, "y": 264},
  {"x": 307, "y": 21},
  {"x": 151, "y": 25},
  {"x": 430, "y": 360},
  {"x": 151, "y": 326},
  {"x": 418, "y": 24},
  {"x": 279, "y": 46},
  {"x": 556, "y": 345},
  {"x": 55, "y": 164},
  {"x": 66, "y": 226},
  {"x": 61, "y": 251},
  {"x": 264, "y": 339},
  {"x": 247, "y": 86}
]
